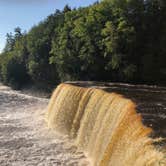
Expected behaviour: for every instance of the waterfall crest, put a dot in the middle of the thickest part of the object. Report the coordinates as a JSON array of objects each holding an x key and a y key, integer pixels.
[{"x": 104, "y": 125}]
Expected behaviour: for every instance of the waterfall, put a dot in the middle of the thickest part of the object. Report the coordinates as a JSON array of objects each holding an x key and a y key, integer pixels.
[{"x": 103, "y": 125}]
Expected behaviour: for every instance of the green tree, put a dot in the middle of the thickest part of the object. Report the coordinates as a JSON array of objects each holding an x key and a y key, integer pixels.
[{"x": 111, "y": 40}]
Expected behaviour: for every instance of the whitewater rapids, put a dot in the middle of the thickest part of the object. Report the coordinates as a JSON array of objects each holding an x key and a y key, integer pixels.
[{"x": 25, "y": 139}]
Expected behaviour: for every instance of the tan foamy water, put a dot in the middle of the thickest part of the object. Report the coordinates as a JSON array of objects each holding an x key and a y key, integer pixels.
[
  {"x": 102, "y": 132},
  {"x": 25, "y": 139}
]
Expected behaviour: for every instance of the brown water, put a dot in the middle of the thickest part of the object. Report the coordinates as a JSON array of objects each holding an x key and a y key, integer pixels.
[{"x": 104, "y": 125}]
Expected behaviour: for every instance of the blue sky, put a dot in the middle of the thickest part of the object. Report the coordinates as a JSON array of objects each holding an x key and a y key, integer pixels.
[{"x": 26, "y": 13}]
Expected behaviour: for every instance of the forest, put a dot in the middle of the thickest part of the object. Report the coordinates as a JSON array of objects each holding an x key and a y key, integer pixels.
[{"x": 111, "y": 40}]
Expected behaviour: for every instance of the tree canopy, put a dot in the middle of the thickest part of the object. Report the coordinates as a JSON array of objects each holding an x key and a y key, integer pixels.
[{"x": 111, "y": 40}]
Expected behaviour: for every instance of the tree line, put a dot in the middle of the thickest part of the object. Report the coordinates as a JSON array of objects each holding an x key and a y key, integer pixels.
[{"x": 111, "y": 40}]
